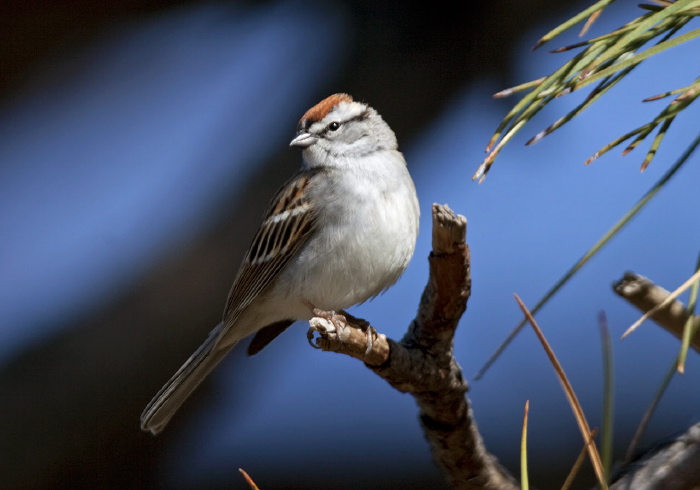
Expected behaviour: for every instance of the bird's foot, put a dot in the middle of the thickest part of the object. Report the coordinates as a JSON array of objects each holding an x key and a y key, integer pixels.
[
  {"x": 334, "y": 325},
  {"x": 331, "y": 325}
]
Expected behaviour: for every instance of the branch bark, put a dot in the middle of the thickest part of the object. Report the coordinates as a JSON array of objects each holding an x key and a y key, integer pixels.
[
  {"x": 645, "y": 295},
  {"x": 675, "y": 464},
  {"x": 422, "y": 363}
]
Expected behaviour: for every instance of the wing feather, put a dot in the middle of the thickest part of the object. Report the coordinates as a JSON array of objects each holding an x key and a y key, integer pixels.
[{"x": 287, "y": 224}]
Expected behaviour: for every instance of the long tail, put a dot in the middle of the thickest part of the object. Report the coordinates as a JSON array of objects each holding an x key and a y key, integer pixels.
[{"x": 178, "y": 388}]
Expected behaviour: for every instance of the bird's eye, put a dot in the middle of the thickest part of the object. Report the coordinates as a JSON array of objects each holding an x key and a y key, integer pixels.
[{"x": 334, "y": 126}]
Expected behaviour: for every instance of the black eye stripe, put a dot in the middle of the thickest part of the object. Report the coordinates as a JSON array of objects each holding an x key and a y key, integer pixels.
[{"x": 360, "y": 117}]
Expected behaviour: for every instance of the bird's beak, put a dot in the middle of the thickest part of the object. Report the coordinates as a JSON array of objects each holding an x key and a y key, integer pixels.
[{"x": 304, "y": 140}]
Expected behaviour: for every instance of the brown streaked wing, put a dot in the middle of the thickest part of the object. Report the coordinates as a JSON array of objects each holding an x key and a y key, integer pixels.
[{"x": 287, "y": 224}]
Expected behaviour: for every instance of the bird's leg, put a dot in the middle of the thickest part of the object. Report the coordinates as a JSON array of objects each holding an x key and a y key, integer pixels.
[
  {"x": 336, "y": 321},
  {"x": 331, "y": 315}
]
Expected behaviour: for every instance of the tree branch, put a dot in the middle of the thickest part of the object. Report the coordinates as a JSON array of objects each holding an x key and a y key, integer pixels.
[
  {"x": 675, "y": 464},
  {"x": 422, "y": 363},
  {"x": 645, "y": 295}
]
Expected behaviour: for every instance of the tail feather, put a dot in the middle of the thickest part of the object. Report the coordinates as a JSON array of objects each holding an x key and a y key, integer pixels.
[{"x": 178, "y": 388}]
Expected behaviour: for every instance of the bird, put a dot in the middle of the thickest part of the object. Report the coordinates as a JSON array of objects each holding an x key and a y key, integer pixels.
[{"x": 341, "y": 231}]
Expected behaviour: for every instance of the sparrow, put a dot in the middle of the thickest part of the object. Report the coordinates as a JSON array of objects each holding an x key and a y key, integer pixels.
[{"x": 339, "y": 232}]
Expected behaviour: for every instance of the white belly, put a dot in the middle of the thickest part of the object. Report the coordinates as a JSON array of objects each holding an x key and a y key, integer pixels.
[{"x": 362, "y": 254}]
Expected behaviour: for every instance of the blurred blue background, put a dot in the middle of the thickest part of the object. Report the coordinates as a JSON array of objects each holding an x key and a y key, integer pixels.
[{"x": 138, "y": 152}]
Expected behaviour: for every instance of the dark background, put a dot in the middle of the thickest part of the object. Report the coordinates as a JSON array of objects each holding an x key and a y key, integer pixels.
[{"x": 75, "y": 376}]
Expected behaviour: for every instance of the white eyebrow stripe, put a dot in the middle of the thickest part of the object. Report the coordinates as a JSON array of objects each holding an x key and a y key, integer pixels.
[
  {"x": 342, "y": 113},
  {"x": 348, "y": 110}
]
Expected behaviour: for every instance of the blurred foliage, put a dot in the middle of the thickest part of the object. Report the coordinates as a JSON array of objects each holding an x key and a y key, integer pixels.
[{"x": 606, "y": 59}]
